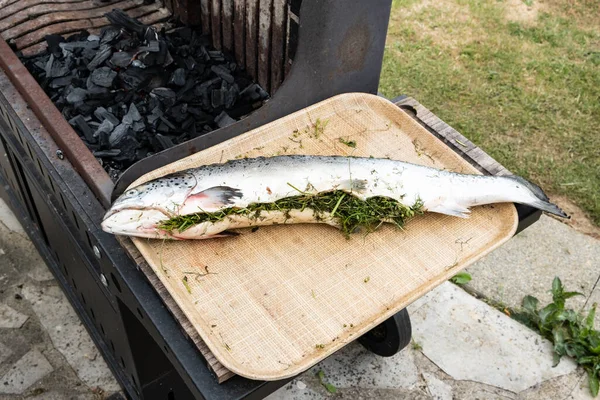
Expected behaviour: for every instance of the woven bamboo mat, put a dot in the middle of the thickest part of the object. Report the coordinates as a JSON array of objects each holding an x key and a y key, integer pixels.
[{"x": 270, "y": 304}]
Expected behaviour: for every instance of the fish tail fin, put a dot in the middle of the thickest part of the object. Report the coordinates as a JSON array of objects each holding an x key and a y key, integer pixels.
[{"x": 540, "y": 200}]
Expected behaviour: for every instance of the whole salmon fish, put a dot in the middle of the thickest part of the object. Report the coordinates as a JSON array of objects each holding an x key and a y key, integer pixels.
[{"x": 346, "y": 192}]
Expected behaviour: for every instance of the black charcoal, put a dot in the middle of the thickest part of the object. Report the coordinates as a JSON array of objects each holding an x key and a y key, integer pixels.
[
  {"x": 165, "y": 141},
  {"x": 76, "y": 95},
  {"x": 54, "y": 42},
  {"x": 106, "y": 127},
  {"x": 222, "y": 120},
  {"x": 61, "y": 82},
  {"x": 56, "y": 68},
  {"x": 92, "y": 88},
  {"x": 132, "y": 91},
  {"x": 138, "y": 126},
  {"x": 81, "y": 123},
  {"x": 103, "y": 54},
  {"x": 102, "y": 113},
  {"x": 165, "y": 95},
  {"x": 121, "y": 59},
  {"x": 121, "y": 19},
  {"x": 109, "y": 33},
  {"x": 222, "y": 72},
  {"x": 107, "y": 153},
  {"x": 103, "y": 77},
  {"x": 118, "y": 134},
  {"x": 153, "y": 46},
  {"x": 70, "y": 46},
  {"x": 216, "y": 55},
  {"x": 178, "y": 77},
  {"x": 217, "y": 98},
  {"x": 133, "y": 115}
]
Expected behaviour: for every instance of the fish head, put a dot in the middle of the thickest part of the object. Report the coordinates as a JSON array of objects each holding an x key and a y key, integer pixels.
[{"x": 138, "y": 210}]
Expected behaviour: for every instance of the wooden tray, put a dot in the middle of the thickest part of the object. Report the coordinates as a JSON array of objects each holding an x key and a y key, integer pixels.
[{"x": 278, "y": 300}]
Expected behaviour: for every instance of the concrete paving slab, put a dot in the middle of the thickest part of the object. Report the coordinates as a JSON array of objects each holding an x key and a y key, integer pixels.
[
  {"x": 5, "y": 352},
  {"x": 40, "y": 273},
  {"x": 581, "y": 390},
  {"x": 8, "y": 219},
  {"x": 355, "y": 366},
  {"x": 62, "y": 395},
  {"x": 558, "y": 388},
  {"x": 437, "y": 388},
  {"x": 528, "y": 263},
  {"x": 492, "y": 348},
  {"x": 69, "y": 337},
  {"x": 11, "y": 318},
  {"x": 32, "y": 367}
]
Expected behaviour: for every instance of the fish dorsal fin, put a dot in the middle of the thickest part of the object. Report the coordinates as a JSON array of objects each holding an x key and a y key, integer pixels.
[{"x": 451, "y": 208}]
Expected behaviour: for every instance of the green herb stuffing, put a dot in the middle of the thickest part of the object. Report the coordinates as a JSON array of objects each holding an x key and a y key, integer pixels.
[{"x": 348, "y": 211}]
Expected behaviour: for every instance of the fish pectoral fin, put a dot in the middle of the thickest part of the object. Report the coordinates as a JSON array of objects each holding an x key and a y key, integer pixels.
[
  {"x": 451, "y": 208},
  {"x": 210, "y": 199}
]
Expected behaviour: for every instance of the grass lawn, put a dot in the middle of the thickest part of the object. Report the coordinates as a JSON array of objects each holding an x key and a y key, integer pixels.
[{"x": 520, "y": 78}]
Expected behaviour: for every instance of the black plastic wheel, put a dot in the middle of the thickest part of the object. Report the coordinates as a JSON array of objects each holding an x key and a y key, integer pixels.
[{"x": 389, "y": 337}]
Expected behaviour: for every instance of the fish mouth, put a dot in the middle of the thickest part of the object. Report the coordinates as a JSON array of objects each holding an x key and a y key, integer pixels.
[
  {"x": 116, "y": 210},
  {"x": 134, "y": 221}
]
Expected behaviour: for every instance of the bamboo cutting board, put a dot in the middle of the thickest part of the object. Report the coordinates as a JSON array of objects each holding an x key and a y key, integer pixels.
[{"x": 271, "y": 303}]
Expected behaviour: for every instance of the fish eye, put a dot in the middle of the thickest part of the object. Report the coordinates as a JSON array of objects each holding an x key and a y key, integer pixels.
[{"x": 132, "y": 192}]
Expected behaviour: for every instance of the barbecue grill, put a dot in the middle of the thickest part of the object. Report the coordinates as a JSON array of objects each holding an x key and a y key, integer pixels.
[{"x": 300, "y": 51}]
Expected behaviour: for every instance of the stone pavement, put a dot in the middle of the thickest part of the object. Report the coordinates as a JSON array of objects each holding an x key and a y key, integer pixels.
[
  {"x": 45, "y": 352},
  {"x": 462, "y": 347}
]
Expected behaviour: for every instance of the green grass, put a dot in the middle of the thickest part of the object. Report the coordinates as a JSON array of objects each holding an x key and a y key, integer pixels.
[{"x": 526, "y": 91}]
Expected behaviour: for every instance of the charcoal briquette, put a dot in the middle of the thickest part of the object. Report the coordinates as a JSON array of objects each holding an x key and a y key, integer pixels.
[
  {"x": 109, "y": 34},
  {"x": 121, "y": 59}
]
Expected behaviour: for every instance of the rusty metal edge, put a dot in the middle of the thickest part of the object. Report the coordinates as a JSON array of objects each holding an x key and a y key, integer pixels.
[{"x": 61, "y": 132}]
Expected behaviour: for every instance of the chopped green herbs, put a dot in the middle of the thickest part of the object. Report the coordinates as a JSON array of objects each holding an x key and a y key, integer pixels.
[
  {"x": 348, "y": 211},
  {"x": 186, "y": 284},
  {"x": 349, "y": 143},
  {"x": 330, "y": 388}
]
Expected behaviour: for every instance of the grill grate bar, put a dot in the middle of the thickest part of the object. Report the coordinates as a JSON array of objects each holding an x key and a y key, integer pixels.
[
  {"x": 38, "y": 10},
  {"x": 32, "y": 38},
  {"x": 27, "y": 4},
  {"x": 56, "y": 17}
]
